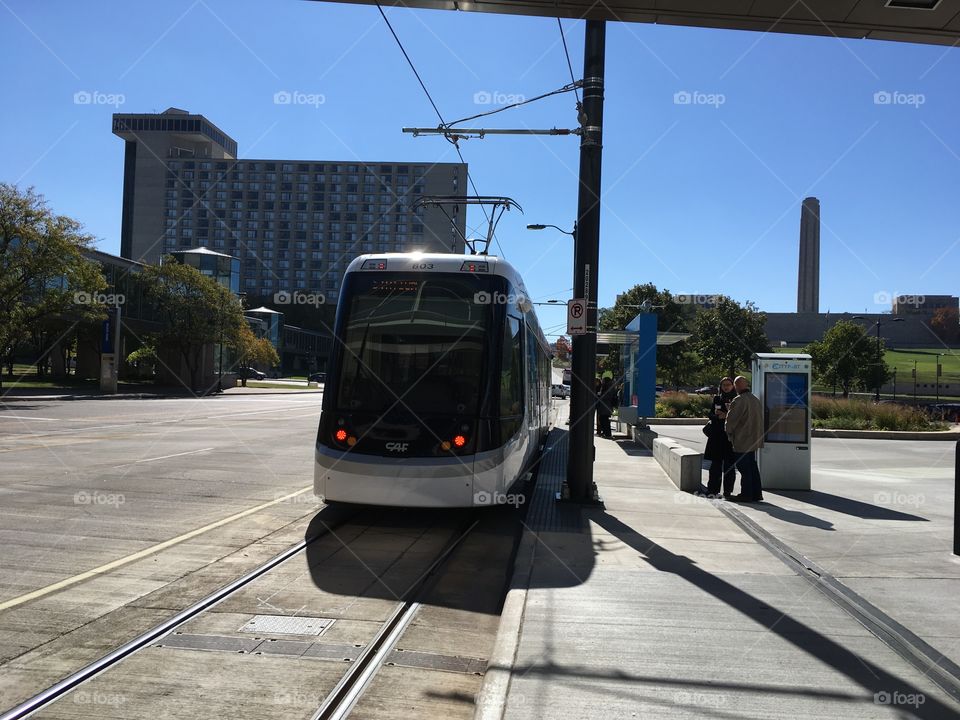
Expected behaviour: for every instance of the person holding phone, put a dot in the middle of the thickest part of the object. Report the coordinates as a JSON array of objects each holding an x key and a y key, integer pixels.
[{"x": 719, "y": 450}]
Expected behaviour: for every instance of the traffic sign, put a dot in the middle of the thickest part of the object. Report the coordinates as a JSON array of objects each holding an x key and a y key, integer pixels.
[{"x": 577, "y": 316}]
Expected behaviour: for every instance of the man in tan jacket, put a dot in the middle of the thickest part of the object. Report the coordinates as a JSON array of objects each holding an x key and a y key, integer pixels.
[{"x": 744, "y": 427}]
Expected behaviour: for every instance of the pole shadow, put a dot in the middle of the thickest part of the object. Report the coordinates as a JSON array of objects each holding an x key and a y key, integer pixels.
[
  {"x": 847, "y": 506},
  {"x": 871, "y": 677}
]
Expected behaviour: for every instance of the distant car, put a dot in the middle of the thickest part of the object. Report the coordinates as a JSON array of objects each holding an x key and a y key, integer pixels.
[
  {"x": 560, "y": 391},
  {"x": 317, "y": 378},
  {"x": 250, "y": 374},
  {"x": 659, "y": 389},
  {"x": 947, "y": 411},
  {"x": 706, "y": 390}
]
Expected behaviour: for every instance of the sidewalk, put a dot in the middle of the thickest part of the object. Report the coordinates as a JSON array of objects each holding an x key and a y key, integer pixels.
[
  {"x": 659, "y": 605},
  {"x": 886, "y": 536}
]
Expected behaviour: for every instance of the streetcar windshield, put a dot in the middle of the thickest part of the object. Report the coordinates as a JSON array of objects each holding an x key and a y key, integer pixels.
[{"x": 413, "y": 343}]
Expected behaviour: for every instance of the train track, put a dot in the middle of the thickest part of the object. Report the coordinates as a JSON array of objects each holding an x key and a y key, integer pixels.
[{"x": 352, "y": 684}]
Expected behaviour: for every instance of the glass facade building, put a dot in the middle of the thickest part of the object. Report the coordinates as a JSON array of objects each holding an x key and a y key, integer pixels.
[{"x": 293, "y": 225}]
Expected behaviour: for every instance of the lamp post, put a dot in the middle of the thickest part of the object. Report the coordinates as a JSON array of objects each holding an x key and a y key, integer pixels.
[
  {"x": 879, "y": 363},
  {"x": 894, "y": 383},
  {"x": 914, "y": 382},
  {"x": 939, "y": 366}
]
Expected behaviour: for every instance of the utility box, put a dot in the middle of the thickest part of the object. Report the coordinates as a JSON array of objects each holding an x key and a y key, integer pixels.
[{"x": 782, "y": 383}]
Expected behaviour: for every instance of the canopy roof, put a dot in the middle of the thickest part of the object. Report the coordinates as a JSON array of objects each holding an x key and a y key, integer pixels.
[{"x": 934, "y": 22}]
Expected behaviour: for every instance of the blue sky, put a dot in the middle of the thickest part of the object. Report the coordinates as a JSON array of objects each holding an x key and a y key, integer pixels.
[{"x": 699, "y": 197}]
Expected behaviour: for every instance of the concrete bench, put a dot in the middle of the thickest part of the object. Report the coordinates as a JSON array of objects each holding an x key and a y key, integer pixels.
[{"x": 681, "y": 464}]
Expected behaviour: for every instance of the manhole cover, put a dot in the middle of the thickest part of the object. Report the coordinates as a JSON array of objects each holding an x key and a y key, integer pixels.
[{"x": 286, "y": 625}]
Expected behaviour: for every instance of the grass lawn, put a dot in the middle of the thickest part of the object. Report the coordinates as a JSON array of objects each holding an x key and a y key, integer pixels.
[{"x": 926, "y": 359}]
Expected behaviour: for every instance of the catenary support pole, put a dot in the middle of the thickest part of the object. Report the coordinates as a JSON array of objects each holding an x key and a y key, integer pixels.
[{"x": 586, "y": 252}]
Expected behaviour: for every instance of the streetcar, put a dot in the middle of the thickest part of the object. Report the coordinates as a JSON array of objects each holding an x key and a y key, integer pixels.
[{"x": 438, "y": 390}]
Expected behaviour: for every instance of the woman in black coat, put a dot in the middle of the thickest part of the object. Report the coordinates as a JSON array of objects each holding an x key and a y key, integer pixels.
[
  {"x": 719, "y": 451},
  {"x": 605, "y": 402}
]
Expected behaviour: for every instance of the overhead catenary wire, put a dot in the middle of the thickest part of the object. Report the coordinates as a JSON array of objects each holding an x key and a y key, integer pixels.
[
  {"x": 439, "y": 116},
  {"x": 569, "y": 64},
  {"x": 572, "y": 87}
]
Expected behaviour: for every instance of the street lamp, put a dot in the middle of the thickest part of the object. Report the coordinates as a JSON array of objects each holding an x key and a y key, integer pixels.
[
  {"x": 914, "y": 382},
  {"x": 571, "y": 233},
  {"x": 939, "y": 355},
  {"x": 879, "y": 358}
]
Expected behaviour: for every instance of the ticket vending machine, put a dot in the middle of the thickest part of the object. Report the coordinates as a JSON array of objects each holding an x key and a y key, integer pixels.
[{"x": 782, "y": 383}]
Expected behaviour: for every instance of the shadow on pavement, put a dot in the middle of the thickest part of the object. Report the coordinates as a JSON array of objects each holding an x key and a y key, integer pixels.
[
  {"x": 631, "y": 448},
  {"x": 844, "y": 505},
  {"x": 873, "y": 678},
  {"x": 792, "y": 516},
  {"x": 383, "y": 553}
]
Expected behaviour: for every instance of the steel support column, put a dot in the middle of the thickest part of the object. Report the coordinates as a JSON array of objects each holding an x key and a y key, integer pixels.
[{"x": 580, "y": 485}]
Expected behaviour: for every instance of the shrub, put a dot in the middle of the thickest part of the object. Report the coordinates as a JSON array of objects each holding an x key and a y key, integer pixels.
[
  {"x": 858, "y": 414},
  {"x": 681, "y": 404}
]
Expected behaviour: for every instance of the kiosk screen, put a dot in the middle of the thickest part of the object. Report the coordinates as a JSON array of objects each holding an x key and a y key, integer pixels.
[{"x": 785, "y": 407}]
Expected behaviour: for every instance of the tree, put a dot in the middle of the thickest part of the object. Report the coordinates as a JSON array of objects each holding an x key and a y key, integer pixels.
[
  {"x": 671, "y": 361},
  {"x": 563, "y": 348},
  {"x": 252, "y": 350},
  {"x": 728, "y": 334},
  {"x": 144, "y": 359},
  {"x": 46, "y": 283},
  {"x": 946, "y": 324},
  {"x": 195, "y": 310},
  {"x": 847, "y": 356}
]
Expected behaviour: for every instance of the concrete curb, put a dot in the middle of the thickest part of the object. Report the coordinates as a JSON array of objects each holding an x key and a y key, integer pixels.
[
  {"x": 888, "y": 434},
  {"x": 851, "y": 434},
  {"x": 270, "y": 391},
  {"x": 90, "y": 396},
  {"x": 491, "y": 702},
  {"x": 152, "y": 396}
]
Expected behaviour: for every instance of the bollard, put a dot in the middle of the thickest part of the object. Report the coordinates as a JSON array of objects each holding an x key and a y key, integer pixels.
[{"x": 956, "y": 502}]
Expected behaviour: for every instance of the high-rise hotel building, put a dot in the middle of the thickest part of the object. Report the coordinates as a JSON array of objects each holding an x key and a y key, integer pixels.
[{"x": 294, "y": 224}]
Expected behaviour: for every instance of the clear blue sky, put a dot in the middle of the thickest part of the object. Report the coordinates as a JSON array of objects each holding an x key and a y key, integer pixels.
[{"x": 697, "y": 197}]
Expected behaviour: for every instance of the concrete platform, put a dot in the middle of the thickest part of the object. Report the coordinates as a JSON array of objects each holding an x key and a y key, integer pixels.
[{"x": 659, "y": 605}]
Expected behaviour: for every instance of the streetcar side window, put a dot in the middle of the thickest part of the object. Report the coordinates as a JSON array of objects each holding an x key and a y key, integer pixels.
[{"x": 511, "y": 379}]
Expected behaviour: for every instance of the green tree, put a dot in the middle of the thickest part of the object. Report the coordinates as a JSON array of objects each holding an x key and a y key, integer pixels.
[
  {"x": 195, "y": 310},
  {"x": 144, "y": 359},
  {"x": 946, "y": 324},
  {"x": 252, "y": 350},
  {"x": 727, "y": 334},
  {"x": 46, "y": 283},
  {"x": 673, "y": 361},
  {"x": 847, "y": 357}
]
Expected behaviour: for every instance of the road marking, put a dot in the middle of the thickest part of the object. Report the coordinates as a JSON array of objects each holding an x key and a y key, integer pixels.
[
  {"x": 164, "y": 457},
  {"x": 25, "y": 417},
  {"x": 67, "y": 582},
  {"x": 252, "y": 412}
]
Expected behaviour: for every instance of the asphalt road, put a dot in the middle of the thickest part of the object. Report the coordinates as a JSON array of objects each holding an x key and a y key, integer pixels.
[{"x": 106, "y": 500}]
